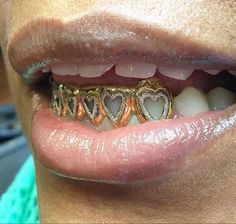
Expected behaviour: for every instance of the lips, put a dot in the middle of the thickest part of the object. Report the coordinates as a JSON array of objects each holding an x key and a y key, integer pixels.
[
  {"x": 78, "y": 40},
  {"x": 133, "y": 153},
  {"x": 128, "y": 154}
]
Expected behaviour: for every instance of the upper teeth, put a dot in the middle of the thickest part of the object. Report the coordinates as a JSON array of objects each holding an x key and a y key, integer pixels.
[
  {"x": 212, "y": 72},
  {"x": 65, "y": 69},
  {"x": 139, "y": 70},
  {"x": 90, "y": 71},
  {"x": 176, "y": 73},
  {"x": 133, "y": 70}
]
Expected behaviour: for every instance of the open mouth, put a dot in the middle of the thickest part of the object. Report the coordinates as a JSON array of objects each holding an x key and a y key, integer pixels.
[
  {"x": 124, "y": 120},
  {"x": 134, "y": 93}
]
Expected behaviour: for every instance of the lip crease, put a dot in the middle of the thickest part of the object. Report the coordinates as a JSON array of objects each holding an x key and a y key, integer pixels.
[{"x": 42, "y": 42}]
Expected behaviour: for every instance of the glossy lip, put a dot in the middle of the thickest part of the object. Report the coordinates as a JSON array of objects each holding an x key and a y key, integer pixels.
[
  {"x": 131, "y": 154},
  {"x": 42, "y": 42}
]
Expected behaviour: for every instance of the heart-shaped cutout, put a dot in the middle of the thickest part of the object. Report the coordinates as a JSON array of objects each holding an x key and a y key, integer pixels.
[
  {"x": 153, "y": 104},
  {"x": 71, "y": 104},
  {"x": 90, "y": 106},
  {"x": 114, "y": 103}
]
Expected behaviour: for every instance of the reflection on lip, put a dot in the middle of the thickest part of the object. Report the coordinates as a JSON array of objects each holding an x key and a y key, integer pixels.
[
  {"x": 104, "y": 38},
  {"x": 130, "y": 154}
]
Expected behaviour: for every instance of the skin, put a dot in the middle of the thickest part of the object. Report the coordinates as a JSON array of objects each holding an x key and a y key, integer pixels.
[
  {"x": 205, "y": 192},
  {"x": 4, "y": 87}
]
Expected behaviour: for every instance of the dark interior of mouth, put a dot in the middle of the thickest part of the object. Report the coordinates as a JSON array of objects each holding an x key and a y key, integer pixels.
[{"x": 199, "y": 79}]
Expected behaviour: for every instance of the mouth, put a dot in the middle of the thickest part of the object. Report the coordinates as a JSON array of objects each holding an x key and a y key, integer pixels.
[{"x": 131, "y": 114}]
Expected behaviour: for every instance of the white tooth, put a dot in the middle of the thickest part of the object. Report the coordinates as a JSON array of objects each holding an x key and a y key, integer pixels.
[
  {"x": 65, "y": 69},
  {"x": 136, "y": 70},
  {"x": 176, "y": 73},
  {"x": 220, "y": 98},
  {"x": 212, "y": 72},
  {"x": 105, "y": 125},
  {"x": 46, "y": 70},
  {"x": 190, "y": 102},
  {"x": 233, "y": 72},
  {"x": 92, "y": 71},
  {"x": 133, "y": 121}
]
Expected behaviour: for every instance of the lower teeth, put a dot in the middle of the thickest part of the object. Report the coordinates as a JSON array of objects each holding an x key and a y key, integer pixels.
[{"x": 149, "y": 101}]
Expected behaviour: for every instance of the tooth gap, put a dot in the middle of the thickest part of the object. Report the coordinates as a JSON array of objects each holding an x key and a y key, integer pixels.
[
  {"x": 57, "y": 105},
  {"x": 72, "y": 105},
  {"x": 57, "y": 102}
]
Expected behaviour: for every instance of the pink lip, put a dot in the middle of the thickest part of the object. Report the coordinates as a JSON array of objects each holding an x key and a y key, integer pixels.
[{"x": 128, "y": 154}]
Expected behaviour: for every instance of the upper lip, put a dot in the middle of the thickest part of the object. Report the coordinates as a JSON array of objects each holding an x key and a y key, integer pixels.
[{"x": 101, "y": 38}]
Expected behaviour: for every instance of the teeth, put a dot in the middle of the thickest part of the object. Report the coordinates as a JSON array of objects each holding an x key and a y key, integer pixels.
[
  {"x": 121, "y": 107},
  {"x": 91, "y": 71},
  {"x": 220, "y": 98},
  {"x": 176, "y": 73},
  {"x": 46, "y": 70},
  {"x": 136, "y": 70},
  {"x": 65, "y": 69},
  {"x": 233, "y": 72},
  {"x": 133, "y": 121},
  {"x": 105, "y": 125},
  {"x": 212, "y": 72},
  {"x": 191, "y": 102},
  {"x": 132, "y": 70},
  {"x": 88, "y": 71}
]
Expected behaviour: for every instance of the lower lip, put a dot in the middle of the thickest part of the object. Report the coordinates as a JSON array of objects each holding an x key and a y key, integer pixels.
[{"x": 124, "y": 155}]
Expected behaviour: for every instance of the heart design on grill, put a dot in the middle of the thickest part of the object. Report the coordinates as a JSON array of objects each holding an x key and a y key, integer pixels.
[
  {"x": 114, "y": 104},
  {"x": 153, "y": 104},
  {"x": 90, "y": 106},
  {"x": 148, "y": 101},
  {"x": 72, "y": 105}
]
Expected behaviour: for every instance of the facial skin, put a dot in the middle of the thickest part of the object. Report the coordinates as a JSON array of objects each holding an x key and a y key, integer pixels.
[
  {"x": 4, "y": 88},
  {"x": 202, "y": 192}
]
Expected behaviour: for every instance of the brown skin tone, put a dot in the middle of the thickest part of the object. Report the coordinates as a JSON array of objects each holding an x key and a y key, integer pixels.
[
  {"x": 204, "y": 194},
  {"x": 4, "y": 87}
]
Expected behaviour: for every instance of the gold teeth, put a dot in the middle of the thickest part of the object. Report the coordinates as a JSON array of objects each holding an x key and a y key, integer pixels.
[{"x": 96, "y": 103}]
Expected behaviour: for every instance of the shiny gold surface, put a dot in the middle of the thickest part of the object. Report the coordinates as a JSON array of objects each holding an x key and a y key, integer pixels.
[{"x": 76, "y": 103}]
